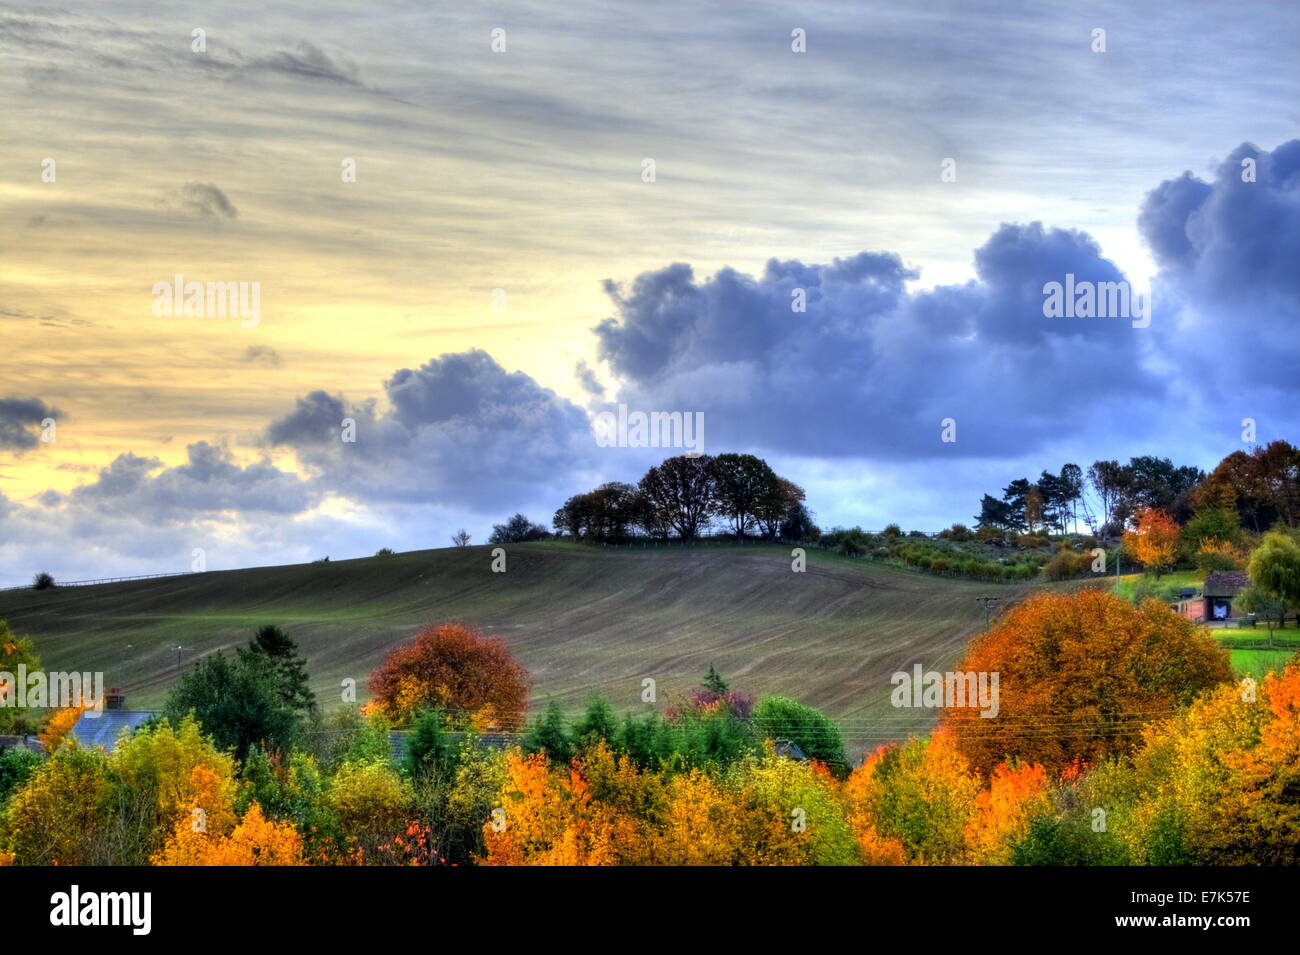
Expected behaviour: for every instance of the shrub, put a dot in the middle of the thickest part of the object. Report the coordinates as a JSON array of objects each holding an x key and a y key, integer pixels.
[
  {"x": 42, "y": 581},
  {"x": 385, "y": 552},
  {"x": 778, "y": 717},
  {"x": 17, "y": 765},
  {"x": 516, "y": 530},
  {"x": 1064, "y": 565}
]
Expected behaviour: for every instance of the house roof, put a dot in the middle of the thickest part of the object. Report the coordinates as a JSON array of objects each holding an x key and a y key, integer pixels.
[
  {"x": 789, "y": 749},
  {"x": 1225, "y": 583},
  {"x": 104, "y": 729}
]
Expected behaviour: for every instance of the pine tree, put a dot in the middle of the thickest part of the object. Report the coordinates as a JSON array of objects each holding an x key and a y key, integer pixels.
[
  {"x": 713, "y": 681},
  {"x": 427, "y": 748},
  {"x": 597, "y": 723},
  {"x": 289, "y": 667},
  {"x": 548, "y": 735}
]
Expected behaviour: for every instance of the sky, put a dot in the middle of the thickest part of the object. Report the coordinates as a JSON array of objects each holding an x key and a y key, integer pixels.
[{"x": 502, "y": 266}]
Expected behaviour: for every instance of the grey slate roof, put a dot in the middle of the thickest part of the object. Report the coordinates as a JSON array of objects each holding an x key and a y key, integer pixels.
[
  {"x": 104, "y": 729},
  {"x": 1225, "y": 583}
]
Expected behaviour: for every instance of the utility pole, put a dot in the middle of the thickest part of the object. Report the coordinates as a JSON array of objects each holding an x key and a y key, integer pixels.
[{"x": 987, "y": 603}]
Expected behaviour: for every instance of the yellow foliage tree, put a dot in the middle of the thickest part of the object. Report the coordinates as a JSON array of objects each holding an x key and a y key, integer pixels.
[
  {"x": 59, "y": 725},
  {"x": 254, "y": 841}
]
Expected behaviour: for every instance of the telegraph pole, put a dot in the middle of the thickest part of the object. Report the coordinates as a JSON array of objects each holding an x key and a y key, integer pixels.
[{"x": 987, "y": 603}]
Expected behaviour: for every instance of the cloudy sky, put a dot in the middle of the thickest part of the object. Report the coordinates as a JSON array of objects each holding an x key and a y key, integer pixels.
[{"x": 501, "y": 269}]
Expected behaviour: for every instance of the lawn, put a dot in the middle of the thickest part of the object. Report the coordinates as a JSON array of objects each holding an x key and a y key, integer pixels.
[{"x": 1256, "y": 663}]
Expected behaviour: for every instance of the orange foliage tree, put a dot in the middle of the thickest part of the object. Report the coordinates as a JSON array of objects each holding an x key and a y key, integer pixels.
[
  {"x": 1153, "y": 539},
  {"x": 60, "y": 724},
  {"x": 470, "y": 677},
  {"x": 1004, "y": 811},
  {"x": 1079, "y": 676}
]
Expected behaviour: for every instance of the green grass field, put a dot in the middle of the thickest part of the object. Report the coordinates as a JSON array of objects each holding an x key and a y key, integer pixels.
[
  {"x": 1258, "y": 662},
  {"x": 580, "y": 618}
]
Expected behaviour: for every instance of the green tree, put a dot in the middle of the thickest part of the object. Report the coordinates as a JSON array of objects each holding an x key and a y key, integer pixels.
[
  {"x": 778, "y": 717},
  {"x": 714, "y": 682},
  {"x": 597, "y": 723},
  {"x": 427, "y": 748},
  {"x": 1262, "y": 604},
  {"x": 745, "y": 484},
  {"x": 1275, "y": 570},
  {"x": 288, "y": 665},
  {"x": 548, "y": 735},
  {"x": 237, "y": 703}
]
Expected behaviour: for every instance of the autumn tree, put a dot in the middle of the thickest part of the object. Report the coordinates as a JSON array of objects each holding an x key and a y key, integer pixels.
[
  {"x": 1153, "y": 539},
  {"x": 468, "y": 676},
  {"x": 1079, "y": 675},
  {"x": 16, "y": 651},
  {"x": 59, "y": 726},
  {"x": 1263, "y": 487},
  {"x": 255, "y": 840}
]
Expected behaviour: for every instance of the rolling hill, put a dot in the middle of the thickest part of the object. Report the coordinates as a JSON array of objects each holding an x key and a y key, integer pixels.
[{"x": 580, "y": 618}]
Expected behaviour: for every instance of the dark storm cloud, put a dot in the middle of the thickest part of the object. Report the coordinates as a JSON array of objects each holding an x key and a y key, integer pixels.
[
  {"x": 20, "y": 422},
  {"x": 1229, "y": 253},
  {"x": 459, "y": 429},
  {"x": 870, "y": 369}
]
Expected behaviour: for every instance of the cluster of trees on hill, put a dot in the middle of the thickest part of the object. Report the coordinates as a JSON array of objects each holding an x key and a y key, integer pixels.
[
  {"x": 1259, "y": 488},
  {"x": 685, "y": 496},
  {"x": 1056, "y": 503}
]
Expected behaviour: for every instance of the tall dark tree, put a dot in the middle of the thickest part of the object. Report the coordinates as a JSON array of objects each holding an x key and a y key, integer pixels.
[
  {"x": 681, "y": 493},
  {"x": 777, "y": 505},
  {"x": 744, "y": 482},
  {"x": 289, "y": 667},
  {"x": 1113, "y": 484},
  {"x": 1016, "y": 496},
  {"x": 714, "y": 682},
  {"x": 995, "y": 513},
  {"x": 1072, "y": 490},
  {"x": 548, "y": 734}
]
